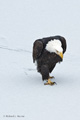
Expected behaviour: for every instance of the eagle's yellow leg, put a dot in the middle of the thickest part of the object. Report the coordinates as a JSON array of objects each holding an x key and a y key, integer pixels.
[{"x": 49, "y": 82}]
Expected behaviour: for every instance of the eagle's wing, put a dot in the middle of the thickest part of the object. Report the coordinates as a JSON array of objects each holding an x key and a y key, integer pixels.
[
  {"x": 64, "y": 45},
  {"x": 37, "y": 49}
]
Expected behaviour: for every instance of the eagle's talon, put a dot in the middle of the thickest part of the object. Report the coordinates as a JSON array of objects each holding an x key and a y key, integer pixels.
[
  {"x": 52, "y": 83},
  {"x": 46, "y": 83},
  {"x": 49, "y": 82},
  {"x": 51, "y": 77},
  {"x": 55, "y": 83}
]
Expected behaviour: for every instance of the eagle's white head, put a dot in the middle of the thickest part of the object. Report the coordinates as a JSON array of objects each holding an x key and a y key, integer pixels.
[{"x": 55, "y": 46}]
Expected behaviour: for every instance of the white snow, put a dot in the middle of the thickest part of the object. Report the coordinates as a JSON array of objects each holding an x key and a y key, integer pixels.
[{"x": 22, "y": 91}]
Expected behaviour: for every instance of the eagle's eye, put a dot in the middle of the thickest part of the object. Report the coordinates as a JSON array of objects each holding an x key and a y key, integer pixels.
[{"x": 57, "y": 51}]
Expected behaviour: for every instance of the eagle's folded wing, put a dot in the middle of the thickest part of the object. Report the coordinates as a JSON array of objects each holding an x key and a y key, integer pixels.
[{"x": 37, "y": 49}]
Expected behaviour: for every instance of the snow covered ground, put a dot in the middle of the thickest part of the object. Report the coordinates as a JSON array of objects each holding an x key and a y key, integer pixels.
[{"x": 22, "y": 92}]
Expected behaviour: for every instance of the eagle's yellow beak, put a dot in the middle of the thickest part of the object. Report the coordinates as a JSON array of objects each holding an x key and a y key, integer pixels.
[{"x": 60, "y": 54}]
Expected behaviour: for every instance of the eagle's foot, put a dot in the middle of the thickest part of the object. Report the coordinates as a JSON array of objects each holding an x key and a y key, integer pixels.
[
  {"x": 49, "y": 82},
  {"x": 50, "y": 77}
]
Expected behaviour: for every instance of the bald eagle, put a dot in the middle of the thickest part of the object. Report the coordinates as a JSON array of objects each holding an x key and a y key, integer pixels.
[{"x": 46, "y": 53}]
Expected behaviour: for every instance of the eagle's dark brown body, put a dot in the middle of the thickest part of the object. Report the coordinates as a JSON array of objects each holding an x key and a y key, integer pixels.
[{"x": 46, "y": 61}]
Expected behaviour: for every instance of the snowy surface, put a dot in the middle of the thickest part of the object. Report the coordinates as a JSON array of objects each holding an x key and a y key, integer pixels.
[{"x": 22, "y": 91}]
